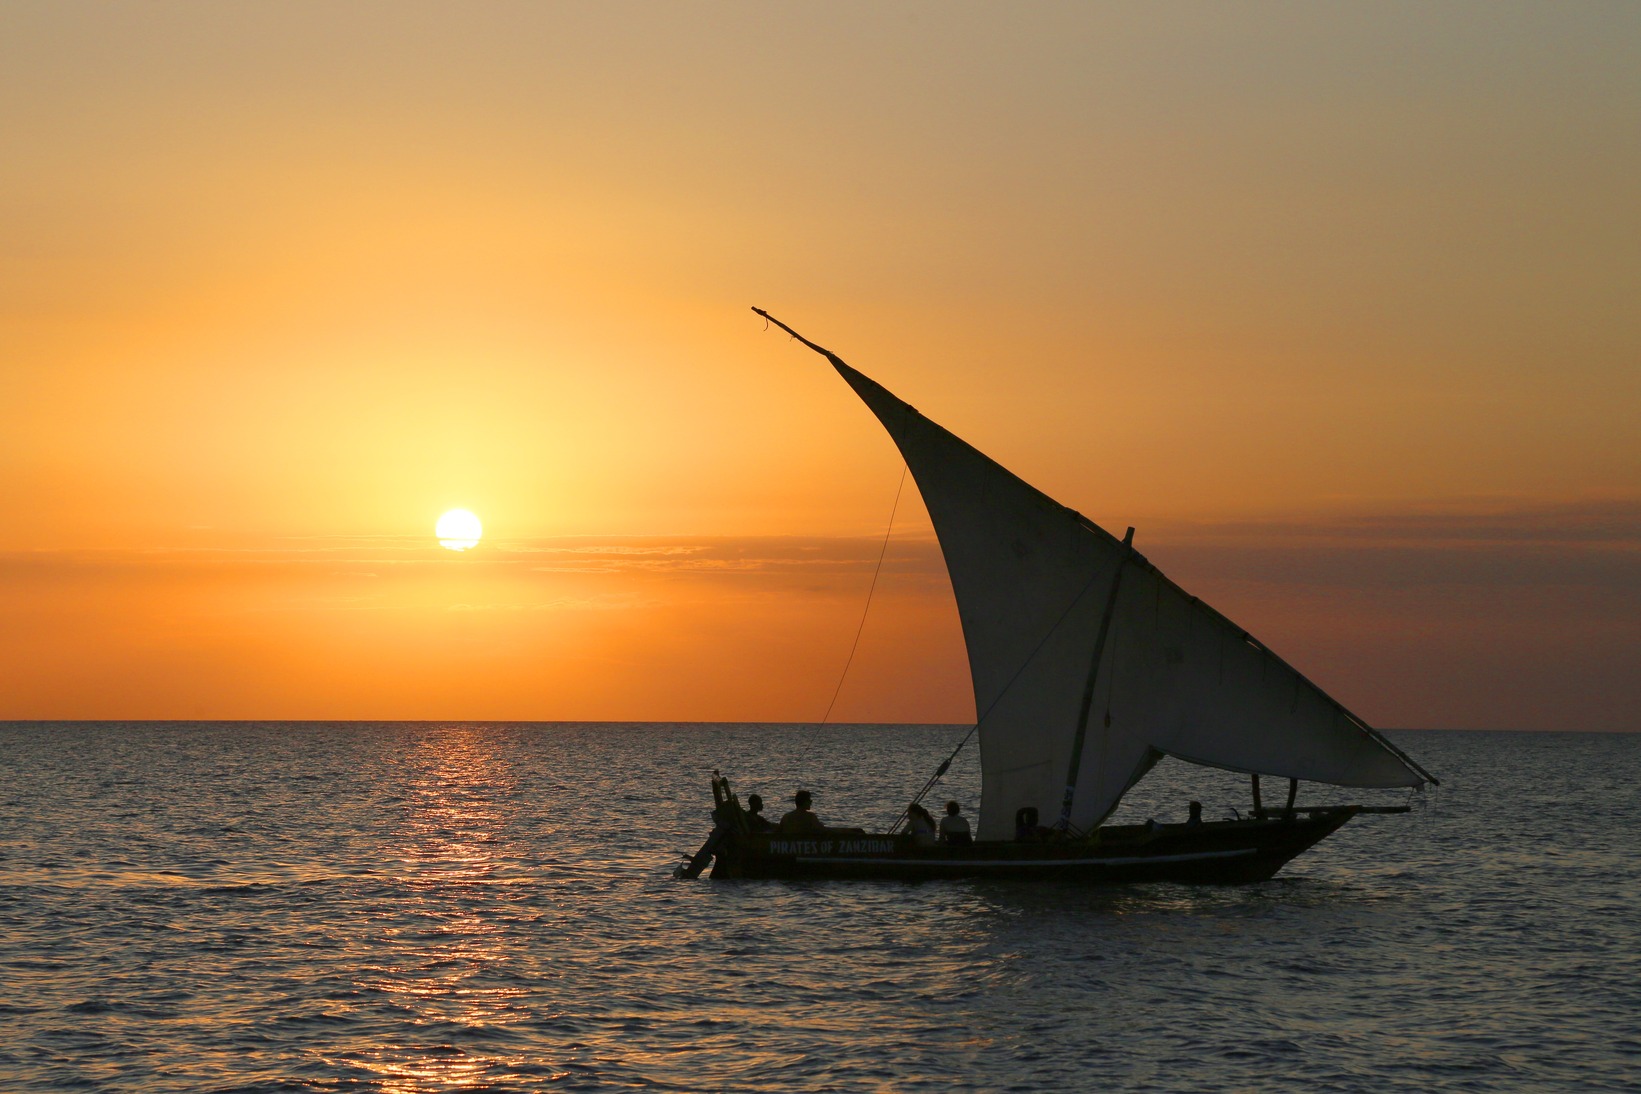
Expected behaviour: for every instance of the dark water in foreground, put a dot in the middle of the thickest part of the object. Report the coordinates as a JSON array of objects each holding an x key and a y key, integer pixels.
[{"x": 487, "y": 907}]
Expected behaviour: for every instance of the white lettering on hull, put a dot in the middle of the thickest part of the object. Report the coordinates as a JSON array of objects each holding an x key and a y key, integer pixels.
[{"x": 831, "y": 847}]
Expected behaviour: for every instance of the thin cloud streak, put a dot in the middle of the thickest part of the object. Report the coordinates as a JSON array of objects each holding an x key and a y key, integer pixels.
[
  {"x": 1592, "y": 545},
  {"x": 1610, "y": 521},
  {"x": 1406, "y": 619},
  {"x": 637, "y": 554}
]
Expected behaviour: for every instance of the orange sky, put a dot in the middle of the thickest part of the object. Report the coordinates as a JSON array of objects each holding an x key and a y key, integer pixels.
[{"x": 1334, "y": 304}]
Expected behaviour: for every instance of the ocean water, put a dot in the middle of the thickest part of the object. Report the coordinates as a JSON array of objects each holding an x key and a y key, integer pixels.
[{"x": 479, "y": 907}]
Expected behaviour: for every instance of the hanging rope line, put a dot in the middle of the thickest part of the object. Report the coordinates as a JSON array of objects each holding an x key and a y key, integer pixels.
[{"x": 855, "y": 645}]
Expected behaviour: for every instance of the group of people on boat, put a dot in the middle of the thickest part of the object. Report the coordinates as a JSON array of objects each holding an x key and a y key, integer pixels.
[
  {"x": 798, "y": 820},
  {"x": 952, "y": 829}
]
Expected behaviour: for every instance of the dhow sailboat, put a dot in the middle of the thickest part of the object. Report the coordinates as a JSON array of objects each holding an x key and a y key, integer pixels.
[{"x": 1089, "y": 666}]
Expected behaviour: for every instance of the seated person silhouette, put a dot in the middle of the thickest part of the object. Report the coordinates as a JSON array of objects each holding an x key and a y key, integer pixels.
[
  {"x": 921, "y": 826},
  {"x": 954, "y": 829},
  {"x": 801, "y": 821},
  {"x": 755, "y": 819}
]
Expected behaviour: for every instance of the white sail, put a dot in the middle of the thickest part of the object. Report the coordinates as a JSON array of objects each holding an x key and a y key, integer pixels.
[{"x": 1032, "y": 580}]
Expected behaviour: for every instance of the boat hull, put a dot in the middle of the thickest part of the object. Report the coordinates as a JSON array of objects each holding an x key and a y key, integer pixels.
[{"x": 1215, "y": 853}]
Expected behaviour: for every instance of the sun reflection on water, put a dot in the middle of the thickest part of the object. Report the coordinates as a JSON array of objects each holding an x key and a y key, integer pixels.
[{"x": 445, "y": 965}]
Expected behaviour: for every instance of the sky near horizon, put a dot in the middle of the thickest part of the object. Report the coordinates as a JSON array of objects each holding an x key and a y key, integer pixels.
[{"x": 1336, "y": 304}]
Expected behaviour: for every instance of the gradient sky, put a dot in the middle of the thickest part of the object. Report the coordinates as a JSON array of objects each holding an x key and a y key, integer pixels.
[{"x": 1335, "y": 303}]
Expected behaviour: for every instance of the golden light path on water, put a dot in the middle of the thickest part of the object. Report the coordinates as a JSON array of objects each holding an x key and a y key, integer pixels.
[{"x": 447, "y": 947}]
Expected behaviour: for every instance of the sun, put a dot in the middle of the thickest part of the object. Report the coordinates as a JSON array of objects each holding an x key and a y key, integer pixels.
[{"x": 458, "y": 530}]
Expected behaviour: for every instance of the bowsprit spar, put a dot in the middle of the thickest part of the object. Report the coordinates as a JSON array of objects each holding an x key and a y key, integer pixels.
[{"x": 1089, "y": 665}]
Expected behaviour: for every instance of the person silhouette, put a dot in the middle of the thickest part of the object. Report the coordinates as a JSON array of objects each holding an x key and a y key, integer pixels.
[
  {"x": 920, "y": 825},
  {"x": 801, "y": 819},
  {"x": 755, "y": 819}
]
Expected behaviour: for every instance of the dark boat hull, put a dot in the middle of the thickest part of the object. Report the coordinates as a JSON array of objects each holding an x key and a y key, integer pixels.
[{"x": 1216, "y": 853}]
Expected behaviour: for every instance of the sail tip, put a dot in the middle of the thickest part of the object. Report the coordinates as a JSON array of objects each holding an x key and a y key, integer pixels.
[{"x": 818, "y": 349}]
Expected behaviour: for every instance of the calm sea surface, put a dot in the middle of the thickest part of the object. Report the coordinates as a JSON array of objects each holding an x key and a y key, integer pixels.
[{"x": 420, "y": 907}]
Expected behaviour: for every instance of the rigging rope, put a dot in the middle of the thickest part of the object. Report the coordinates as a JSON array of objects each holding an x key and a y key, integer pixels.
[{"x": 865, "y": 611}]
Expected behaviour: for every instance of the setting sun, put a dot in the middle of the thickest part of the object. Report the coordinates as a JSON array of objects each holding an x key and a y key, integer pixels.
[{"x": 458, "y": 530}]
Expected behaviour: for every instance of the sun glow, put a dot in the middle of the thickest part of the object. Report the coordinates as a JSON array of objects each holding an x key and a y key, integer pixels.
[{"x": 458, "y": 530}]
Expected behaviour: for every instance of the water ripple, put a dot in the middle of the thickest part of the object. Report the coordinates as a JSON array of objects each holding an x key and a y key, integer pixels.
[{"x": 406, "y": 908}]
